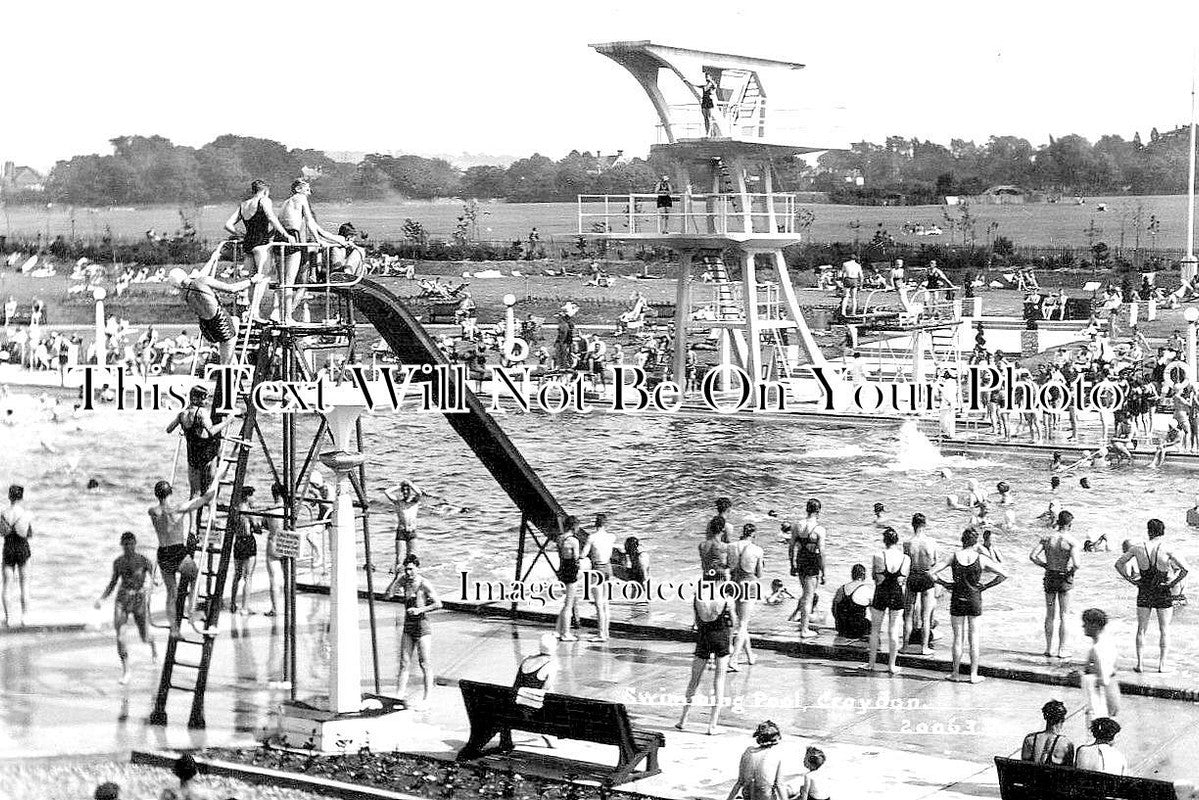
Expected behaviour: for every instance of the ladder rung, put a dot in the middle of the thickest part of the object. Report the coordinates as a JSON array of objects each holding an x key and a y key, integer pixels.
[
  {"x": 187, "y": 664},
  {"x": 191, "y": 689}
]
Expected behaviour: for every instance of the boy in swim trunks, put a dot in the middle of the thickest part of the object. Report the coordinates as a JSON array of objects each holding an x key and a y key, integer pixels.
[
  {"x": 405, "y": 498},
  {"x": 172, "y": 524},
  {"x": 134, "y": 573},
  {"x": 921, "y": 597},
  {"x": 1057, "y": 554}
]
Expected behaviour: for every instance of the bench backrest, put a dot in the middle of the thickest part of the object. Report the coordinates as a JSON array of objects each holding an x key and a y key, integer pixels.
[
  {"x": 1025, "y": 780},
  {"x": 566, "y": 717}
]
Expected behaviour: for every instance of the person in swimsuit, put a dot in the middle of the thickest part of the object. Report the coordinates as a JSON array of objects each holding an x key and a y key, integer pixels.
[
  {"x": 600, "y": 545},
  {"x": 1057, "y": 554},
  {"x": 203, "y": 438},
  {"x": 1101, "y": 755},
  {"x": 16, "y": 530},
  {"x": 1155, "y": 588},
  {"x": 631, "y": 564},
  {"x": 806, "y": 552},
  {"x": 921, "y": 598},
  {"x": 664, "y": 203},
  {"x": 707, "y": 102},
  {"x": 405, "y": 499},
  {"x": 534, "y": 672},
  {"x": 713, "y": 551},
  {"x": 134, "y": 573},
  {"x": 419, "y": 598},
  {"x": 351, "y": 258},
  {"x": 300, "y": 223},
  {"x": 569, "y": 555},
  {"x": 850, "y": 602},
  {"x": 715, "y": 620},
  {"x": 245, "y": 553},
  {"x": 198, "y": 293},
  {"x": 172, "y": 524},
  {"x": 274, "y": 561},
  {"x": 968, "y": 566},
  {"x": 1049, "y": 746},
  {"x": 257, "y": 216},
  {"x": 760, "y": 774},
  {"x": 891, "y": 568},
  {"x": 745, "y": 569},
  {"x": 813, "y": 787}
]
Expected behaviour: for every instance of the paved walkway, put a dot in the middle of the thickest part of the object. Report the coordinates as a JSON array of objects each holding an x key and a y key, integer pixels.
[{"x": 923, "y": 736}]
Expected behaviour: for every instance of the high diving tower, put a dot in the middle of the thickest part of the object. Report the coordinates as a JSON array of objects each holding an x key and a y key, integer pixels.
[{"x": 723, "y": 171}]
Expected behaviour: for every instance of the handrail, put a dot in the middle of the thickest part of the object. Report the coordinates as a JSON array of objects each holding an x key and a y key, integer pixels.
[{"x": 708, "y": 213}]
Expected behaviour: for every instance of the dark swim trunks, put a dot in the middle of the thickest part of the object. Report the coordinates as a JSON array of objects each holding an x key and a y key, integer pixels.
[
  {"x": 219, "y": 328},
  {"x": 1057, "y": 581},
  {"x": 171, "y": 556},
  {"x": 920, "y": 581},
  {"x": 16, "y": 550},
  {"x": 713, "y": 637}
]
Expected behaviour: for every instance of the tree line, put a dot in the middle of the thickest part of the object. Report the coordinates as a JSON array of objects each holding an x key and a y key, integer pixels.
[{"x": 151, "y": 169}]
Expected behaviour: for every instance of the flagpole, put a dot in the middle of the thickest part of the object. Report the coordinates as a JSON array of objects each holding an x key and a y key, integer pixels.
[{"x": 1189, "y": 263}]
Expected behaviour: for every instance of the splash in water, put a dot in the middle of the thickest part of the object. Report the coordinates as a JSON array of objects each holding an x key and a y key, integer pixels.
[{"x": 914, "y": 450}]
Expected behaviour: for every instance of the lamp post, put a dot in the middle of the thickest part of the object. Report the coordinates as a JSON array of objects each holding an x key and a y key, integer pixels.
[
  {"x": 509, "y": 325},
  {"x": 98, "y": 294},
  {"x": 345, "y": 673}
]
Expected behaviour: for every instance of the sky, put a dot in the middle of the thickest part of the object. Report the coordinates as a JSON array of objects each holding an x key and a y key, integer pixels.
[{"x": 513, "y": 78}]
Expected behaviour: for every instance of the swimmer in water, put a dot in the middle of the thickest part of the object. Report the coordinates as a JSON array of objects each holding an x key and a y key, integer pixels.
[
  {"x": 93, "y": 485},
  {"x": 987, "y": 548},
  {"x": 972, "y": 498},
  {"x": 880, "y": 516},
  {"x": 779, "y": 593},
  {"x": 1100, "y": 545},
  {"x": 1007, "y": 504}
]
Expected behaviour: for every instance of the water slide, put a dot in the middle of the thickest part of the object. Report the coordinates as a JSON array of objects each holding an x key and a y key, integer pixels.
[{"x": 413, "y": 345}]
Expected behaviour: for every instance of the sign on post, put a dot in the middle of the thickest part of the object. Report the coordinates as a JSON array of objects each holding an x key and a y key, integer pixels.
[{"x": 287, "y": 544}]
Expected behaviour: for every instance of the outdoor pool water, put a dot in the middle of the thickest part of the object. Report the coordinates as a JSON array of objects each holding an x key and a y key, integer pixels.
[{"x": 655, "y": 475}]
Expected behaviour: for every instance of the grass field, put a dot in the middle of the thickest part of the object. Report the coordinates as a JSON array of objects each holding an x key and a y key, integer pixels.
[{"x": 1032, "y": 225}]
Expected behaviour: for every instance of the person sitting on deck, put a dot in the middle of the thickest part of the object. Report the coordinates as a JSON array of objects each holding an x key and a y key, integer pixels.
[
  {"x": 850, "y": 603},
  {"x": 634, "y": 317}
]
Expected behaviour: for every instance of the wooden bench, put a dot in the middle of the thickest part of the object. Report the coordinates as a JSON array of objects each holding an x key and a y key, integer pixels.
[
  {"x": 663, "y": 311},
  {"x": 1024, "y": 780},
  {"x": 446, "y": 311},
  {"x": 492, "y": 711}
]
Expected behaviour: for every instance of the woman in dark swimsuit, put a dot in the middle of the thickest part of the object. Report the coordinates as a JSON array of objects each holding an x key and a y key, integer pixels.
[
  {"x": 203, "y": 440},
  {"x": 257, "y": 216},
  {"x": 715, "y": 620},
  {"x": 535, "y": 672},
  {"x": 419, "y": 599},
  {"x": 965, "y": 601},
  {"x": 569, "y": 554},
  {"x": 1049, "y": 746},
  {"x": 891, "y": 568}
]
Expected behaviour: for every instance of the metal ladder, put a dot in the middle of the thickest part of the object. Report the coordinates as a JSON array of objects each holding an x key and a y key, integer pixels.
[{"x": 223, "y": 522}]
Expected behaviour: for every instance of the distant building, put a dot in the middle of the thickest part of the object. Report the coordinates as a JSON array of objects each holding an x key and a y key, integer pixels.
[
  {"x": 1003, "y": 195},
  {"x": 604, "y": 163},
  {"x": 22, "y": 179}
]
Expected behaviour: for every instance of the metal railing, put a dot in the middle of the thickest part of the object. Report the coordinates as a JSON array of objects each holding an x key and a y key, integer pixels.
[
  {"x": 743, "y": 121},
  {"x": 715, "y": 214}
]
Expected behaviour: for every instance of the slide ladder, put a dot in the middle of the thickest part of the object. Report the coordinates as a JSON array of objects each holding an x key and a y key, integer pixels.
[
  {"x": 728, "y": 299},
  {"x": 192, "y": 651}
]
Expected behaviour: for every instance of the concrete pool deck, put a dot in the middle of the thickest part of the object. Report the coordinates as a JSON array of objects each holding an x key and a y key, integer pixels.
[{"x": 923, "y": 736}]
